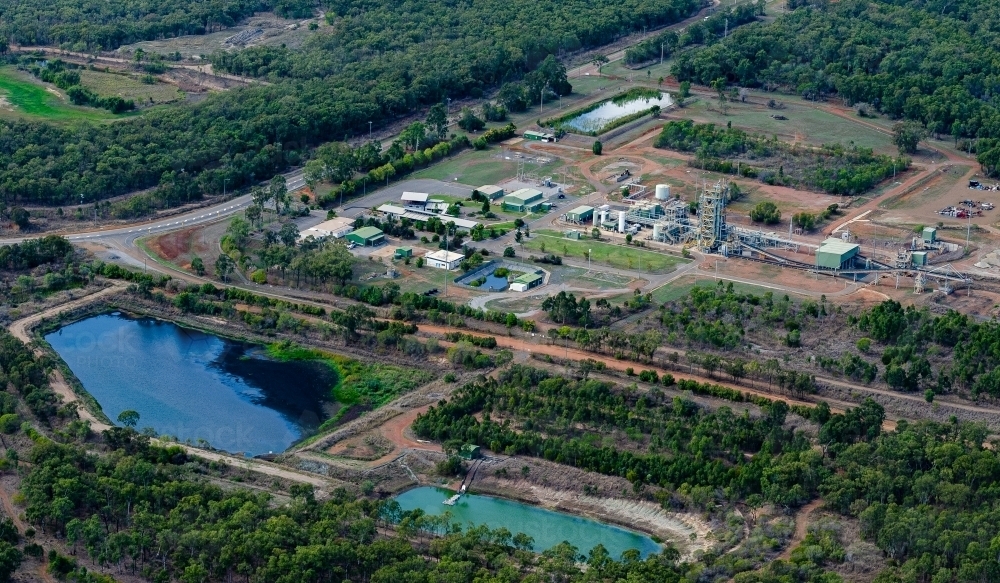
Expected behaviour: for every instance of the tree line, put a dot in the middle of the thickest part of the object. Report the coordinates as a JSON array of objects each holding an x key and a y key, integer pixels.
[
  {"x": 383, "y": 64},
  {"x": 923, "y": 61},
  {"x": 666, "y": 43}
]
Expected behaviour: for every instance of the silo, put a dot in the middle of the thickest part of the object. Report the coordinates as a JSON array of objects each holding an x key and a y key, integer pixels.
[
  {"x": 662, "y": 191},
  {"x": 621, "y": 221},
  {"x": 656, "y": 231}
]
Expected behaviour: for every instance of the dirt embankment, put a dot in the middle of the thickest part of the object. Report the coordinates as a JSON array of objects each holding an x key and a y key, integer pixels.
[{"x": 605, "y": 498}]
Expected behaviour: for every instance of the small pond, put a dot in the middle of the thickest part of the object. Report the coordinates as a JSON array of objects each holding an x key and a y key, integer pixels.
[
  {"x": 194, "y": 385},
  {"x": 494, "y": 283},
  {"x": 487, "y": 282},
  {"x": 609, "y": 111},
  {"x": 546, "y": 527}
]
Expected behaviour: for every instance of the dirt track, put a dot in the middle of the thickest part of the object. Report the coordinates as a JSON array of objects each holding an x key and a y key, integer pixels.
[{"x": 801, "y": 527}]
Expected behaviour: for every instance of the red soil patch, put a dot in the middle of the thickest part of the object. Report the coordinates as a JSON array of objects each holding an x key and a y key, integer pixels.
[{"x": 172, "y": 245}]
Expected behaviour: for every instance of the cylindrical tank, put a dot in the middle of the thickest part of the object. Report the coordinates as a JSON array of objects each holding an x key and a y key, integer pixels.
[
  {"x": 595, "y": 215},
  {"x": 621, "y": 221},
  {"x": 662, "y": 191},
  {"x": 656, "y": 231},
  {"x": 604, "y": 216}
]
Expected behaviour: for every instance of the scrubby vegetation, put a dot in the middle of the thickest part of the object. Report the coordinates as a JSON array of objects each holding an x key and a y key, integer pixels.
[
  {"x": 834, "y": 169},
  {"x": 689, "y": 456},
  {"x": 367, "y": 384}
]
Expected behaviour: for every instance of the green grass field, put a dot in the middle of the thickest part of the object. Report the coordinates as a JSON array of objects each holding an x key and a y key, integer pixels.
[
  {"x": 812, "y": 125},
  {"x": 616, "y": 256},
  {"x": 26, "y": 98},
  {"x": 479, "y": 167},
  {"x": 127, "y": 87}
]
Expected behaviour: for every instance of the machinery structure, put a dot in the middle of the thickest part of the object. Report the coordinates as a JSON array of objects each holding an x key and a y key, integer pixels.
[{"x": 671, "y": 221}]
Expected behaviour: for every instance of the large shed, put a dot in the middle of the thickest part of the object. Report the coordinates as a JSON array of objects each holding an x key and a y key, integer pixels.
[
  {"x": 580, "y": 214},
  {"x": 836, "y": 254},
  {"x": 523, "y": 200},
  {"x": 539, "y": 136},
  {"x": 367, "y": 237},
  {"x": 491, "y": 191}
]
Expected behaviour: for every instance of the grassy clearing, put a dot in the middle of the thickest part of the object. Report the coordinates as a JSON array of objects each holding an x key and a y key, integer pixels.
[
  {"x": 810, "y": 125},
  {"x": 370, "y": 385},
  {"x": 616, "y": 256},
  {"x": 600, "y": 280},
  {"x": 939, "y": 186},
  {"x": 26, "y": 98},
  {"x": 128, "y": 87},
  {"x": 682, "y": 287},
  {"x": 475, "y": 168},
  {"x": 479, "y": 167}
]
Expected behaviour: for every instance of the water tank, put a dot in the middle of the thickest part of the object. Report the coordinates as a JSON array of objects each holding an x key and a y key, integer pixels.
[
  {"x": 604, "y": 217},
  {"x": 621, "y": 221},
  {"x": 656, "y": 231},
  {"x": 662, "y": 191}
]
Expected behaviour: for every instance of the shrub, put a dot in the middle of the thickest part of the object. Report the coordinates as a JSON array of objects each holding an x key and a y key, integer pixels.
[{"x": 9, "y": 423}]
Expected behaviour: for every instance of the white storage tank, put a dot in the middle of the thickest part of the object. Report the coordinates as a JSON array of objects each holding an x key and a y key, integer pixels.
[
  {"x": 621, "y": 221},
  {"x": 604, "y": 217},
  {"x": 656, "y": 231},
  {"x": 662, "y": 191}
]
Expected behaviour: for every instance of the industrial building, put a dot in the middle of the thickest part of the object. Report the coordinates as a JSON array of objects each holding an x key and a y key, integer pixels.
[
  {"x": 930, "y": 235},
  {"x": 539, "y": 136},
  {"x": 418, "y": 215},
  {"x": 580, "y": 214},
  {"x": 335, "y": 228},
  {"x": 444, "y": 259},
  {"x": 367, "y": 237},
  {"x": 403, "y": 252},
  {"x": 527, "y": 281},
  {"x": 523, "y": 200},
  {"x": 414, "y": 200},
  {"x": 490, "y": 191},
  {"x": 836, "y": 254}
]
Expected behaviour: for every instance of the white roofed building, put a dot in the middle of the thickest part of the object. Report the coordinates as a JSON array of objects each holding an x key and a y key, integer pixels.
[
  {"x": 444, "y": 259},
  {"x": 336, "y": 228}
]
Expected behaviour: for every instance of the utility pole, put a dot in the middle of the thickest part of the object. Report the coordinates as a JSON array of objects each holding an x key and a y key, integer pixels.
[
  {"x": 661, "y": 53},
  {"x": 446, "y": 270},
  {"x": 968, "y": 231},
  {"x": 224, "y": 181},
  {"x": 369, "y": 131}
]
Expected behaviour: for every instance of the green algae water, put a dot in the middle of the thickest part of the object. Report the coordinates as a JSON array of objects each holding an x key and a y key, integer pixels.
[{"x": 546, "y": 527}]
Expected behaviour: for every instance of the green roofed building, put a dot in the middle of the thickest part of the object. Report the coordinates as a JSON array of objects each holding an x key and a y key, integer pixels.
[
  {"x": 366, "y": 237},
  {"x": 470, "y": 452},
  {"x": 524, "y": 200},
  {"x": 491, "y": 191},
  {"x": 580, "y": 214},
  {"x": 836, "y": 254},
  {"x": 527, "y": 281}
]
